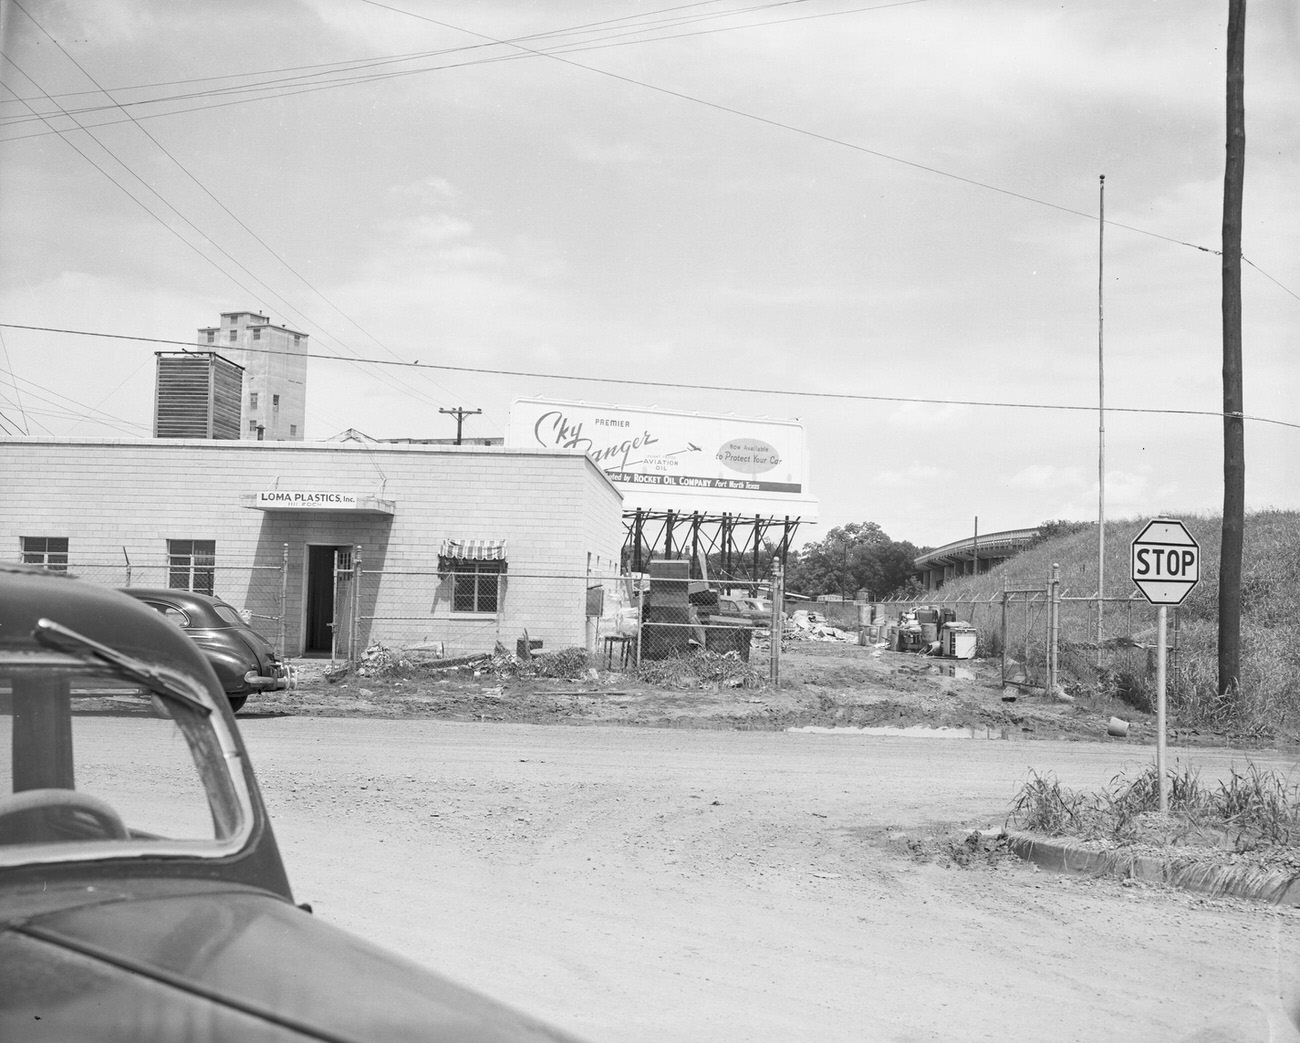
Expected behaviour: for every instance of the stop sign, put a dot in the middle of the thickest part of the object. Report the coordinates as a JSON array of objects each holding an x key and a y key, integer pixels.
[{"x": 1165, "y": 561}]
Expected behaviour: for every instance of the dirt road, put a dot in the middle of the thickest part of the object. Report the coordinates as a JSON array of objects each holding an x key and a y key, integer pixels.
[{"x": 640, "y": 884}]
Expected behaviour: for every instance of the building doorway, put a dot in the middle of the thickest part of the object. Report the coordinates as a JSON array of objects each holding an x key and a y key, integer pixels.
[{"x": 326, "y": 600}]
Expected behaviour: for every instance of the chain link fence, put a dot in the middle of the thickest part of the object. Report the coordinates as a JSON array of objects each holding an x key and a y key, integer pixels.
[
  {"x": 1043, "y": 635},
  {"x": 467, "y": 611},
  {"x": 257, "y": 591}
]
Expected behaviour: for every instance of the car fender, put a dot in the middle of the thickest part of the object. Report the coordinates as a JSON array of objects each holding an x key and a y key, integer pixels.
[{"x": 230, "y": 668}]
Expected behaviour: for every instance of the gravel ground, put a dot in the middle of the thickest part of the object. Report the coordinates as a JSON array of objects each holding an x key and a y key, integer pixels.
[{"x": 637, "y": 884}]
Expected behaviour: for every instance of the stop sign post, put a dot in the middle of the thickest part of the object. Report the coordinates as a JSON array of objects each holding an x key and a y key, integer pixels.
[{"x": 1165, "y": 564}]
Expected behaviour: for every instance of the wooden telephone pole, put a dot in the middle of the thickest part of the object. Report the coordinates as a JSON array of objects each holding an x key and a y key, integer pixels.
[
  {"x": 1234, "y": 447},
  {"x": 460, "y": 415}
]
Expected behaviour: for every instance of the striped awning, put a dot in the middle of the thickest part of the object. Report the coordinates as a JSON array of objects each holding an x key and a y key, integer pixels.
[{"x": 473, "y": 550}]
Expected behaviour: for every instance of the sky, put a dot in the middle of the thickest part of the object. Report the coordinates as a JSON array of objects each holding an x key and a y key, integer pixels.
[{"x": 881, "y": 219}]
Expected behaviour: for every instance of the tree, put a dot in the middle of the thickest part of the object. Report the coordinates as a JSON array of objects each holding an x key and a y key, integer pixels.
[{"x": 852, "y": 557}]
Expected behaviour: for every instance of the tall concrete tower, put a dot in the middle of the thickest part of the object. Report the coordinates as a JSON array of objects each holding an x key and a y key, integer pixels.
[{"x": 274, "y": 359}]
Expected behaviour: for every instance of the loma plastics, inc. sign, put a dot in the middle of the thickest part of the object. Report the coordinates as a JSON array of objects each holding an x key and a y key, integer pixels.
[
  {"x": 307, "y": 499},
  {"x": 677, "y": 461}
]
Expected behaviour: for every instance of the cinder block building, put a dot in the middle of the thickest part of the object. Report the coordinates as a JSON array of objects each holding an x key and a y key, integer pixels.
[{"x": 328, "y": 545}]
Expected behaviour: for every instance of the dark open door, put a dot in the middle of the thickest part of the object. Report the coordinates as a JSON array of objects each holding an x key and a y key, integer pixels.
[{"x": 320, "y": 600}]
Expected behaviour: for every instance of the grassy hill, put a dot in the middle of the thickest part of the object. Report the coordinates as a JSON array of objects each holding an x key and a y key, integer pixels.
[{"x": 1269, "y": 700}]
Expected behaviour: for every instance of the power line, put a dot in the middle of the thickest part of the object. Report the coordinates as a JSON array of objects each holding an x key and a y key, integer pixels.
[
  {"x": 399, "y": 386},
  {"x": 556, "y": 55},
  {"x": 234, "y": 217},
  {"x": 18, "y": 398},
  {"x": 82, "y": 410},
  {"x": 359, "y": 64},
  {"x": 350, "y": 65},
  {"x": 730, "y": 389}
]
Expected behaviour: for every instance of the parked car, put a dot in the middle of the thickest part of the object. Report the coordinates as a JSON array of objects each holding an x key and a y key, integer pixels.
[
  {"x": 142, "y": 894},
  {"x": 244, "y": 660},
  {"x": 755, "y": 610}
]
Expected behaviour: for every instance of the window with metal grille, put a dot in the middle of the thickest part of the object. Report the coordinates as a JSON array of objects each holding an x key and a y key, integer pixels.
[
  {"x": 252, "y": 400},
  {"x": 191, "y": 565},
  {"x": 49, "y": 551},
  {"x": 212, "y": 336},
  {"x": 234, "y": 336},
  {"x": 476, "y": 586}
]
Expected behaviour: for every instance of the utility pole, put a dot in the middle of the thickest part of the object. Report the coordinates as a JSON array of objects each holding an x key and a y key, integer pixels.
[
  {"x": 1234, "y": 443},
  {"x": 460, "y": 415},
  {"x": 1101, "y": 419}
]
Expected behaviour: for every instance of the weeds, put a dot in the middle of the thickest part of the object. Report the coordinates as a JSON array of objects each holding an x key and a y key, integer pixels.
[
  {"x": 1260, "y": 805},
  {"x": 1044, "y": 806},
  {"x": 1251, "y": 809}
]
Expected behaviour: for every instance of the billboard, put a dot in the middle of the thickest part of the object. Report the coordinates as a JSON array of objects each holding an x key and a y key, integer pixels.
[{"x": 666, "y": 460}]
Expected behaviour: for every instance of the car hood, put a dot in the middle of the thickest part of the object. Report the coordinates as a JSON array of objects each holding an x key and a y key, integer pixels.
[{"x": 219, "y": 964}]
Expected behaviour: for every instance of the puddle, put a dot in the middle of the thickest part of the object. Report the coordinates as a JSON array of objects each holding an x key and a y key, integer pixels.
[
  {"x": 915, "y": 731},
  {"x": 962, "y": 673}
]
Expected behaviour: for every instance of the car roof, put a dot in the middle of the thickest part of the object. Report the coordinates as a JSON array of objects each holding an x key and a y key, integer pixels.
[
  {"x": 178, "y": 597},
  {"x": 168, "y": 593}
]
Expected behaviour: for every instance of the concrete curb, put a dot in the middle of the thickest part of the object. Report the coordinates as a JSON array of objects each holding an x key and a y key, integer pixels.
[{"x": 1065, "y": 856}]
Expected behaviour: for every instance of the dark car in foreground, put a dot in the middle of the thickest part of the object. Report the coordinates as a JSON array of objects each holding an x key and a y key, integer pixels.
[
  {"x": 244, "y": 660},
  {"x": 142, "y": 895}
]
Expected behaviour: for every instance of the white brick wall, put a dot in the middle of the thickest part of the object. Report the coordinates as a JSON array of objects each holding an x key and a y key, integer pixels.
[{"x": 120, "y": 500}]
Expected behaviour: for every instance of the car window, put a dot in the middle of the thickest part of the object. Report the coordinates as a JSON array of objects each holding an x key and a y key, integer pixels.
[
  {"x": 229, "y": 615},
  {"x": 172, "y": 613},
  {"x": 90, "y": 762}
]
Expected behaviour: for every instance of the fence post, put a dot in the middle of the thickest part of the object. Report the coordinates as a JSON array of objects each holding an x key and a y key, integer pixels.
[
  {"x": 1004, "y": 629},
  {"x": 356, "y": 603},
  {"x": 1054, "y": 627},
  {"x": 284, "y": 596},
  {"x": 777, "y": 623},
  {"x": 640, "y": 618}
]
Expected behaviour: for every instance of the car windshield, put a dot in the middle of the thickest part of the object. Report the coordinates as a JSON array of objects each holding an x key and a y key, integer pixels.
[{"x": 95, "y": 762}]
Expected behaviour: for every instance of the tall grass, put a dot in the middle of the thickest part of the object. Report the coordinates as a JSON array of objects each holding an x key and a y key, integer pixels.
[
  {"x": 1252, "y": 808},
  {"x": 1267, "y": 701}
]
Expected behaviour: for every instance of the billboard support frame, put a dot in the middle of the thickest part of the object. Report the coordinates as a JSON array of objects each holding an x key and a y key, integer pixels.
[{"x": 655, "y": 533}]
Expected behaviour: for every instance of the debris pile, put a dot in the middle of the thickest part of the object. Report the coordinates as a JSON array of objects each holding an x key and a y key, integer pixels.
[
  {"x": 568, "y": 664},
  {"x": 379, "y": 660},
  {"x": 803, "y": 625},
  {"x": 704, "y": 670}
]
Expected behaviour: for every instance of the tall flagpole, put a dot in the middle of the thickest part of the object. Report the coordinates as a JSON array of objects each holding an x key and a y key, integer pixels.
[{"x": 1101, "y": 420}]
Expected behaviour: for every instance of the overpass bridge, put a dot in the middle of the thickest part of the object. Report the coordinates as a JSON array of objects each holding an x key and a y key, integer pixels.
[{"x": 970, "y": 556}]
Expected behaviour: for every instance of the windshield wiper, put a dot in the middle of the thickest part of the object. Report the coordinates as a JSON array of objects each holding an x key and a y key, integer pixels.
[{"x": 63, "y": 639}]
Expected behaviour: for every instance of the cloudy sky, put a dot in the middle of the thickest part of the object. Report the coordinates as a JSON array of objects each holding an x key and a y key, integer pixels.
[{"x": 874, "y": 217}]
